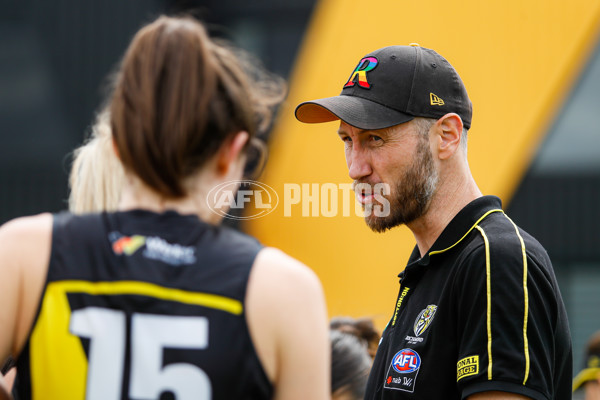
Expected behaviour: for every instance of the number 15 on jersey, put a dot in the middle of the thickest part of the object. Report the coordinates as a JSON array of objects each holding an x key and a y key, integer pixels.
[{"x": 150, "y": 334}]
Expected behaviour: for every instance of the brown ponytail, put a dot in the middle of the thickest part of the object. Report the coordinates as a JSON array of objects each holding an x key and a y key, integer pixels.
[{"x": 178, "y": 96}]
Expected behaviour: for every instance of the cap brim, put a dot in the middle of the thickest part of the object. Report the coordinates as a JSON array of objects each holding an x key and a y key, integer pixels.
[
  {"x": 586, "y": 375},
  {"x": 356, "y": 111}
]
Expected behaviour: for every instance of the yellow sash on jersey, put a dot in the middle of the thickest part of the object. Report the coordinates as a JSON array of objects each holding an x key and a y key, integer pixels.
[{"x": 57, "y": 360}]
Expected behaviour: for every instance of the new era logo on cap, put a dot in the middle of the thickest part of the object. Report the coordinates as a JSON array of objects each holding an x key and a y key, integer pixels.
[
  {"x": 435, "y": 100},
  {"x": 391, "y": 86}
]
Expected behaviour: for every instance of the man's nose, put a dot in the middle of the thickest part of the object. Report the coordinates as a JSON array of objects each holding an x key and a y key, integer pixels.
[{"x": 358, "y": 164}]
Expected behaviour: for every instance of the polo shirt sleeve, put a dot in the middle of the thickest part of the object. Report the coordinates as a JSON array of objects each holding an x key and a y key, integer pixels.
[{"x": 506, "y": 307}]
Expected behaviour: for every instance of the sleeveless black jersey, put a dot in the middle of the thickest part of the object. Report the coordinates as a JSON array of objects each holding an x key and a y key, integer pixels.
[{"x": 140, "y": 305}]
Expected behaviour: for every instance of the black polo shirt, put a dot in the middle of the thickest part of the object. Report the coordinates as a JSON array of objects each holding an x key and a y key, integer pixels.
[{"x": 481, "y": 311}]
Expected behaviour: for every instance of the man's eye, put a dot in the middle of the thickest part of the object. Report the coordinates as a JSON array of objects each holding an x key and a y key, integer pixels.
[
  {"x": 375, "y": 138},
  {"x": 346, "y": 139}
]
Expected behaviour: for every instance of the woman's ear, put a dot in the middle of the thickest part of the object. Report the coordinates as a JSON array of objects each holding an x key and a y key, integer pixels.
[
  {"x": 450, "y": 133},
  {"x": 230, "y": 151}
]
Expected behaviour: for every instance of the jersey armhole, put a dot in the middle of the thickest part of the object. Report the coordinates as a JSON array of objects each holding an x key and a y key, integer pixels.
[{"x": 261, "y": 379}]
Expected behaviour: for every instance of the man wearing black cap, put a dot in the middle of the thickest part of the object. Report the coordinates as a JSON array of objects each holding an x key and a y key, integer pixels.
[{"x": 479, "y": 314}]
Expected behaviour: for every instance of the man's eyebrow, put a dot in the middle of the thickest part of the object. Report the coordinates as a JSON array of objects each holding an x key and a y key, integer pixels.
[{"x": 341, "y": 131}]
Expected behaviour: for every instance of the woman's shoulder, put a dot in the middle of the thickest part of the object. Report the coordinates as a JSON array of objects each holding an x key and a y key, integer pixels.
[
  {"x": 25, "y": 244},
  {"x": 24, "y": 230},
  {"x": 280, "y": 268},
  {"x": 24, "y": 251}
]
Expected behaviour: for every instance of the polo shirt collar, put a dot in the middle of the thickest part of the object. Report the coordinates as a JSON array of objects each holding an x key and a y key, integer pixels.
[{"x": 460, "y": 225}]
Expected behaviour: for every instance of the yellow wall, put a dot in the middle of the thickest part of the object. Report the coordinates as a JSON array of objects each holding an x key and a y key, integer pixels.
[{"x": 518, "y": 60}]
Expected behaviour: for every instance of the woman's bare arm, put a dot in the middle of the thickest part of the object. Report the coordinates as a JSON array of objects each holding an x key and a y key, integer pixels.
[
  {"x": 287, "y": 318},
  {"x": 24, "y": 254}
]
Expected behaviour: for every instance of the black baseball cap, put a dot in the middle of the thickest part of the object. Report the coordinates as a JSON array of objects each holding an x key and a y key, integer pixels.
[
  {"x": 391, "y": 86},
  {"x": 591, "y": 367}
]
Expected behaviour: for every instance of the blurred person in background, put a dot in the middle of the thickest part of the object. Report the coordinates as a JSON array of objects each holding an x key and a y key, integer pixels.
[
  {"x": 97, "y": 176},
  {"x": 350, "y": 366},
  {"x": 363, "y": 328},
  {"x": 351, "y": 359},
  {"x": 9, "y": 372},
  {"x": 156, "y": 297},
  {"x": 587, "y": 381}
]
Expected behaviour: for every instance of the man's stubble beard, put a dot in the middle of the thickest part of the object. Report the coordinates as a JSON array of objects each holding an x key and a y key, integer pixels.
[{"x": 411, "y": 195}]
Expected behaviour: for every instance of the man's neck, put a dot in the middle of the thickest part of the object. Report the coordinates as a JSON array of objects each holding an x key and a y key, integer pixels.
[{"x": 445, "y": 205}]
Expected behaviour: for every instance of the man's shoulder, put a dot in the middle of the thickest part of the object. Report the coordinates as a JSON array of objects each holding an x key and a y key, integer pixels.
[
  {"x": 500, "y": 241},
  {"x": 501, "y": 231}
]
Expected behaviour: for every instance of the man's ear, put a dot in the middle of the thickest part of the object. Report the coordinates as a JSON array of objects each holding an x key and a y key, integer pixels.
[
  {"x": 230, "y": 150},
  {"x": 450, "y": 128}
]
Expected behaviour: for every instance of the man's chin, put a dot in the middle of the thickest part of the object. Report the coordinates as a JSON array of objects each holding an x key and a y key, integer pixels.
[{"x": 380, "y": 224}]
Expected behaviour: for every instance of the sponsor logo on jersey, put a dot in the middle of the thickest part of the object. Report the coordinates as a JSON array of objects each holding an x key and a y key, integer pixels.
[
  {"x": 413, "y": 340},
  {"x": 399, "y": 304},
  {"x": 403, "y": 370},
  {"x": 466, "y": 367},
  {"x": 170, "y": 253},
  {"x": 156, "y": 248},
  {"x": 424, "y": 319},
  {"x": 126, "y": 244}
]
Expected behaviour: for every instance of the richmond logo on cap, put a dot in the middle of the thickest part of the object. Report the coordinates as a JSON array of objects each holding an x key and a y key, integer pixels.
[{"x": 365, "y": 65}]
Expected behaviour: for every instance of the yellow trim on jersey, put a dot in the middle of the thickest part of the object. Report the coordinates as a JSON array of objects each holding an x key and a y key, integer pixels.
[
  {"x": 470, "y": 229},
  {"x": 151, "y": 290},
  {"x": 526, "y": 301},
  {"x": 489, "y": 290},
  {"x": 488, "y": 280},
  {"x": 57, "y": 360},
  {"x": 525, "y": 298}
]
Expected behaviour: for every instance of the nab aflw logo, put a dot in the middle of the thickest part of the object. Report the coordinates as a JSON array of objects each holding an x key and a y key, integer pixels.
[
  {"x": 230, "y": 198},
  {"x": 403, "y": 371}
]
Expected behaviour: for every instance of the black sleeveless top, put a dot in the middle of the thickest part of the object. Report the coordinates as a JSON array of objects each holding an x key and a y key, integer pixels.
[{"x": 139, "y": 305}]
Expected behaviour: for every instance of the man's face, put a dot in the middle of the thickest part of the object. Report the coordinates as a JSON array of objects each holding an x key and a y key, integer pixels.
[{"x": 399, "y": 157}]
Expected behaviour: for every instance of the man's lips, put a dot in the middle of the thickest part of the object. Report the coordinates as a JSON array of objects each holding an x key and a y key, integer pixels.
[
  {"x": 367, "y": 193},
  {"x": 364, "y": 198}
]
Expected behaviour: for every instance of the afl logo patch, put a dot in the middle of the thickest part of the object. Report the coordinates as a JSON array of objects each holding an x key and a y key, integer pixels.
[
  {"x": 406, "y": 361},
  {"x": 403, "y": 371},
  {"x": 424, "y": 319}
]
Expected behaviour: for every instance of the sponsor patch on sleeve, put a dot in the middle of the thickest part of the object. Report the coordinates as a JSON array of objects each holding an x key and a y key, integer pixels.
[{"x": 466, "y": 367}]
